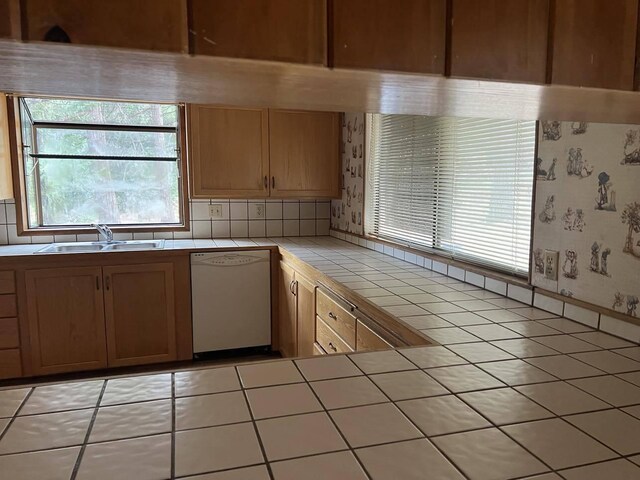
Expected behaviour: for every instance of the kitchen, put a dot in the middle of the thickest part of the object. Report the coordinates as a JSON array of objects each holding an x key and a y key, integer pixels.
[{"x": 319, "y": 238}]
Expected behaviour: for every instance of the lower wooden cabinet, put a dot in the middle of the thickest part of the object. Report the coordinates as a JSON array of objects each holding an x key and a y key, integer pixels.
[
  {"x": 91, "y": 317},
  {"x": 140, "y": 314},
  {"x": 367, "y": 339},
  {"x": 287, "y": 318},
  {"x": 65, "y": 308},
  {"x": 297, "y": 304},
  {"x": 306, "y": 313}
]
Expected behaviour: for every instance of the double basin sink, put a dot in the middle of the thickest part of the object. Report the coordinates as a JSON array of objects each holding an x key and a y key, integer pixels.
[{"x": 81, "y": 247}]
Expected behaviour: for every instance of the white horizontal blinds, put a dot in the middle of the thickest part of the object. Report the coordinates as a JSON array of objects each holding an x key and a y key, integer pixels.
[
  {"x": 457, "y": 185},
  {"x": 403, "y": 178}
]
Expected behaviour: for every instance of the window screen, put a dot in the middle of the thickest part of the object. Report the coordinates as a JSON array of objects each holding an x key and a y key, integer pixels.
[{"x": 458, "y": 186}]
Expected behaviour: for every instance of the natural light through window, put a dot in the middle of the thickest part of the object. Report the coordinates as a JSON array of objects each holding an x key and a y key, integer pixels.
[
  {"x": 115, "y": 163},
  {"x": 459, "y": 186}
]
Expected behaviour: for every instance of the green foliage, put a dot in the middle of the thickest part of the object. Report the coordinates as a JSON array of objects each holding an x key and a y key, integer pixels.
[{"x": 87, "y": 191}]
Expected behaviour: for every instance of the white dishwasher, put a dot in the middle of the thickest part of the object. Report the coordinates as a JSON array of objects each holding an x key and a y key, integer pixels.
[{"x": 231, "y": 300}]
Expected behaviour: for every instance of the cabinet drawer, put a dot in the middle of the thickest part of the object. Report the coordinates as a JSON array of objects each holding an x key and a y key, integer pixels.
[
  {"x": 367, "y": 339},
  {"x": 8, "y": 306},
  {"x": 7, "y": 282},
  {"x": 337, "y": 317},
  {"x": 10, "y": 365},
  {"x": 317, "y": 349},
  {"x": 9, "y": 336},
  {"x": 329, "y": 340}
]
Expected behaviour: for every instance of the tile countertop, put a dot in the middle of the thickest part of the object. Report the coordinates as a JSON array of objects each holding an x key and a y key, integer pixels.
[{"x": 513, "y": 392}]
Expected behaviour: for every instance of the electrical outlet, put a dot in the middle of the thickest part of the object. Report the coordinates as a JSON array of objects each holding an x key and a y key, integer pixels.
[
  {"x": 551, "y": 265},
  {"x": 215, "y": 210}
]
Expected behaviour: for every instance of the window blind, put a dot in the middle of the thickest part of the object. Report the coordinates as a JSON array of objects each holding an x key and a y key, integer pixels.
[{"x": 458, "y": 186}]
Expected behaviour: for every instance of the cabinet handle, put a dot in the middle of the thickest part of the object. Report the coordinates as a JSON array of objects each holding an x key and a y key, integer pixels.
[
  {"x": 97, "y": 282},
  {"x": 291, "y": 287},
  {"x": 266, "y": 182},
  {"x": 273, "y": 182},
  {"x": 107, "y": 282},
  {"x": 332, "y": 347},
  {"x": 333, "y": 316}
]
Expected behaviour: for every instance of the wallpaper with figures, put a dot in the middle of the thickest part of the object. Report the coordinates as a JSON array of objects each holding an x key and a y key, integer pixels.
[
  {"x": 588, "y": 208},
  {"x": 347, "y": 213}
]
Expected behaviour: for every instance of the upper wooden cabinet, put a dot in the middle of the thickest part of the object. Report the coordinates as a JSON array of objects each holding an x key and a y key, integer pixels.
[
  {"x": 283, "y": 30},
  {"x": 594, "y": 43},
  {"x": 256, "y": 153},
  {"x": 140, "y": 313},
  {"x": 229, "y": 152},
  {"x": 500, "y": 39},
  {"x": 66, "y": 319},
  {"x": 6, "y": 180},
  {"x": 304, "y": 154},
  {"x": 10, "y": 19},
  {"x": 144, "y": 24},
  {"x": 403, "y": 35}
]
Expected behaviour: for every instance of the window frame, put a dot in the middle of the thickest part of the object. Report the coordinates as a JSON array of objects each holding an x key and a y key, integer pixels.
[{"x": 20, "y": 187}]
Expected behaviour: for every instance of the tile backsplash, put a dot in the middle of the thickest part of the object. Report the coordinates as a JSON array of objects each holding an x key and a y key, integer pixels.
[{"x": 240, "y": 218}]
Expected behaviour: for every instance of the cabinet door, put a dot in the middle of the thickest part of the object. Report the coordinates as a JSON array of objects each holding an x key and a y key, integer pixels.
[
  {"x": 406, "y": 35},
  {"x": 306, "y": 312},
  {"x": 144, "y": 24},
  {"x": 229, "y": 152},
  {"x": 594, "y": 43},
  {"x": 500, "y": 39},
  {"x": 304, "y": 154},
  {"x": 284, "y": 30},
  {"x": 140, "y": 313},
  {"x": 287, "y": 327},
  {"x": 66, "y": 319}
]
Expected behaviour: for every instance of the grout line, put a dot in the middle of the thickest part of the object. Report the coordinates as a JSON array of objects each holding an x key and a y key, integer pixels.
[
  {"x": 76, "y": 467},
  {"x": 173, "y": 425}
]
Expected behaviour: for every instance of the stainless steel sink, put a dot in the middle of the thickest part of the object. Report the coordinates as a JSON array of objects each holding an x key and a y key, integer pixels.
[
  {"x": 135, "y": 245},
  {"x": 80, "y": 247}
]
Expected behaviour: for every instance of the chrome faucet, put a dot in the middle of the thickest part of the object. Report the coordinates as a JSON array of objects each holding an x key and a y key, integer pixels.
[{"x": 104, "y": 231}]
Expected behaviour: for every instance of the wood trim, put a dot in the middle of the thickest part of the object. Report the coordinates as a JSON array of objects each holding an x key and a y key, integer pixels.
[
  {"x": 17, "y": 167},
  {"x": 69, "y": 70},
  {"x": 533, "y": 202}
]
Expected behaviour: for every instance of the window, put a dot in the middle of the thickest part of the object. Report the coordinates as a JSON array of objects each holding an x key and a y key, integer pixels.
[
  {"x": 89, "y": 161},
  {"x": 456, "y": 186}
]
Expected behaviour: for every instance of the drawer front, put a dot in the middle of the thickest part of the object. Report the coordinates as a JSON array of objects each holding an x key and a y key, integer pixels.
[
  {"x": 8, "y": 306},
  {"x": 339, "y": 319},
  {"x": 367, "y": 339},
  {"x": 9, "y": 336},
  {"x": 7, "y": 282},
  {"x": 10, "y": 366},
  {"x": 329, "y": 340},
  {"x": 317, "y": 349}
]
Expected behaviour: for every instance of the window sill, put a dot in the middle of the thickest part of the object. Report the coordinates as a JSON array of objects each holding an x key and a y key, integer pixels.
[
  {"x": 470, "y": 267},
  {"x": 45, "y": 231}
]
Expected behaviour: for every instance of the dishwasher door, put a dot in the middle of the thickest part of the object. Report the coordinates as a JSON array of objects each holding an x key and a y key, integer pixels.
[{"x": 231, "y": 300}]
